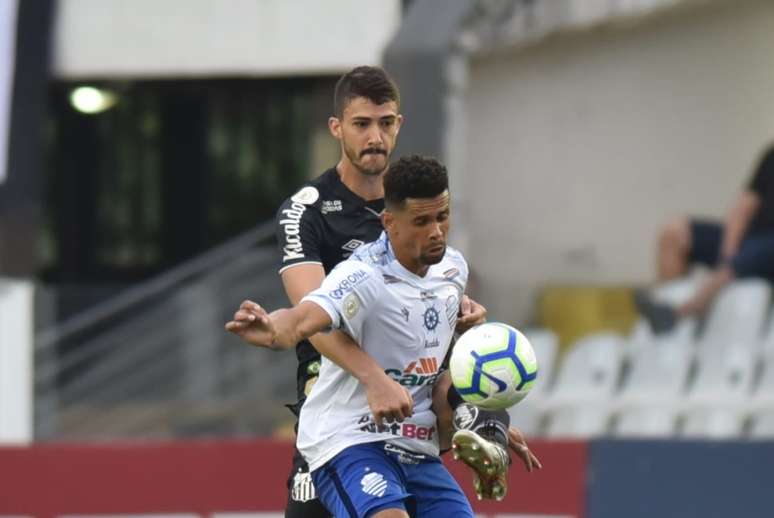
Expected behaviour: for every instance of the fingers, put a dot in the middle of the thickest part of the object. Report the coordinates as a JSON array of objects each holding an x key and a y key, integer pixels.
[
  {"x": 408, "y": 406},
  {"x": 248, "y": 313},
  {"x": 519, "y": 446},
  {"x": 465, "y": 306}
]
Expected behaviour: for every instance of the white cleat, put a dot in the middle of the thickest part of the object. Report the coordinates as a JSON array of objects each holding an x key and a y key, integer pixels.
[{"x": 488, "y": 460}]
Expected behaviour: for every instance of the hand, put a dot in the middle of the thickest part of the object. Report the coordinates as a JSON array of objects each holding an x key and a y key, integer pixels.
[
  {"x": 388, "y": 400},
  {"x": 471, "y": 314},
  {"x": 252, "y": 324},
  {"x": 519, "y": 446}
]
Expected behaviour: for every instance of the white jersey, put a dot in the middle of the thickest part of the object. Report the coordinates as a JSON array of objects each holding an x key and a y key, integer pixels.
[{"x": 405, "y": 322}]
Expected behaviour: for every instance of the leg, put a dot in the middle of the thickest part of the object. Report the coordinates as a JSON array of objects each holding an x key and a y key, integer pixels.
[
  {"x": 362, "y": 481},
  {"x": 443, "y": 410},
  {"x": 674, "y": 244},
  {"x": 435, "y": 491},
  {"x": 390, "y": 513},
  {"x": 481, "y": 442},
  {"x": 707, "y": 291}
]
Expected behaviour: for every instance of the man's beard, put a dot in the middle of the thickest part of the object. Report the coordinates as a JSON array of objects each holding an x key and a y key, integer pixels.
[
  {"x": 429, "y": 260},
  {"x": 369, "y": 171}
]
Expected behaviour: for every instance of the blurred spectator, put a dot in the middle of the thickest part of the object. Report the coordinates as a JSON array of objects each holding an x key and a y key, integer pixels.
[{"x": 740, "y": 246}]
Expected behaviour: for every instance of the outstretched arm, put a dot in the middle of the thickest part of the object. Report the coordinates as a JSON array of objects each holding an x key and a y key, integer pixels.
[{"x": 281, "y": 329}]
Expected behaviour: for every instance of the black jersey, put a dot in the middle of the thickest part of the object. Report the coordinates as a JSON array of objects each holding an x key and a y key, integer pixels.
[
  {"x": 762, "y": 183},
  {"x": 322, "y": 224}
]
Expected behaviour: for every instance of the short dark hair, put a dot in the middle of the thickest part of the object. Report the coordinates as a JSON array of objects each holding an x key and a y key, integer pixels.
[
  {"x": 373, "y": 83},
  {"x": 414, "y": 177}
]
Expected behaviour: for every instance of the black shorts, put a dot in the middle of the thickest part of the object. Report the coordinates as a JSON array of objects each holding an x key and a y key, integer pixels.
[
  {"x": 302, "y": 497},
  {"x": 755, "y": 257}
]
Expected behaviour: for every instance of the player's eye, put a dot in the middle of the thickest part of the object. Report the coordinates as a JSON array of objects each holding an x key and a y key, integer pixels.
[
  {"x": 387, "y": 123},
  {"x": 361, "y": 124}
]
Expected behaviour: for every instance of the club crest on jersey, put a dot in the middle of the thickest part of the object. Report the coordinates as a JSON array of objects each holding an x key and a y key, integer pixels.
[
  {"x": 431, "y": 318},
  {"x": 345, "y": 286},
  {"x": 303, "y": 488}
]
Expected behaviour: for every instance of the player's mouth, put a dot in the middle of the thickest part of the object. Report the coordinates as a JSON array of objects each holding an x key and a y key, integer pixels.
[{"x": 373, "y": 151}]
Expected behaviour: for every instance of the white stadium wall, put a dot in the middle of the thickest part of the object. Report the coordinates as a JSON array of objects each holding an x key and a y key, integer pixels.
[
  {"x": 148, "y": 38},
  {"x": 7, "y": 59},
  {"x": 578, "y": 147}
]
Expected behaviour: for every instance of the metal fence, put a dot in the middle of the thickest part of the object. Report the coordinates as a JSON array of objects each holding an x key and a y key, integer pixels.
[{"x": 155, "y": 361}]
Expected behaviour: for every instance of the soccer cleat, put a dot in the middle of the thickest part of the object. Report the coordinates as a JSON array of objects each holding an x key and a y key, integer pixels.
[
  {"x": 661, "y": 317},
  {"x": 488, "y": 460},
  {"x": 481, "y": 442}
]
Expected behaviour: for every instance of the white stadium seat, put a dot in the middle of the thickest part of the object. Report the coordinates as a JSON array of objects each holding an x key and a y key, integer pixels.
[
  {"x": 656, "y": 380},
  {"x": 716, "y": 402},
  {"x": 737, "y": 315},
  {"x": 578, "y": 405},
  {"x": 673, "y": 293},
  {"x": 761, "y": 405},
  {"x": 526, "y": 415}
]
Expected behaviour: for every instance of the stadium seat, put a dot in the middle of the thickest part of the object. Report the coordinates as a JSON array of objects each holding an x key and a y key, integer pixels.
[
  {"x": 526, "y": 416},
  {"x": 762, "y": 425},
  {"x": 716, "y": 403},
  {"x": 656, "y": 379},
  {"x": 761, "y": 404},
  {"x": 578, "y": 405},
  {"x": 673, "y": 293},
  {"x": 737, "y": 315}
]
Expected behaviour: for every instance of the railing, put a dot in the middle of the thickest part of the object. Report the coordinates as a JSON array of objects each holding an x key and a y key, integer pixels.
[{"x": 156, "y": 362}]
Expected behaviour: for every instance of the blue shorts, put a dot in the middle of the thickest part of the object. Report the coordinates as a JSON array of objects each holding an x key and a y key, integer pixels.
[
  {"x": 755, "y": 257},
  {"x": 367, "y": 478}
]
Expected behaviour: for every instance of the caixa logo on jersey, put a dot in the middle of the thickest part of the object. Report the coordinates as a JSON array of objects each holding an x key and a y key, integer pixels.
[
  {"x": 423, "y": 371},
  {"x": 345, "y": 286}
]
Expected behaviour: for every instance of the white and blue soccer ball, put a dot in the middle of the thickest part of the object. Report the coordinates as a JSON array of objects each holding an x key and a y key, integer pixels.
[{"x": 493, "y": 366}]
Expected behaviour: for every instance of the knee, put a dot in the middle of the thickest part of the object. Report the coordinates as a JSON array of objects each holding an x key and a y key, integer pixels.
[{"x": 675, "y": 234}]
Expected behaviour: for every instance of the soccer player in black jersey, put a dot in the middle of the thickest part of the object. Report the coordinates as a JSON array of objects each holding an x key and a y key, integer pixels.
[{"x": 322, "y": 223}]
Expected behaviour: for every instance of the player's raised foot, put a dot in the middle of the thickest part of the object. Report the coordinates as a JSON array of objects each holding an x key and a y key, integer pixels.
[{"x": 481, "y": 442}]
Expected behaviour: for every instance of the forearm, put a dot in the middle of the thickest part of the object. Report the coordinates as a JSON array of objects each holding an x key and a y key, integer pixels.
[
  {"x": 736, "y": 225},
  {"x": 737, "y": 222},
  {"x": 344, "y": 352}
]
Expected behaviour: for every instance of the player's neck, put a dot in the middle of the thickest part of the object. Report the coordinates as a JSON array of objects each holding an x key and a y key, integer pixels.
[
  {"x": 368, "y": 187},
  {"x": 414, "y": 266}
]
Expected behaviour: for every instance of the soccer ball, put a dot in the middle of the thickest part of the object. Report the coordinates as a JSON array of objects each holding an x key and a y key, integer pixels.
[{"x": 493, "y": 366}]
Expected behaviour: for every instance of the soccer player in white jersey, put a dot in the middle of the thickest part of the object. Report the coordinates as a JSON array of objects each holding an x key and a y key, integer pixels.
[{"x": 399, "y": 298}]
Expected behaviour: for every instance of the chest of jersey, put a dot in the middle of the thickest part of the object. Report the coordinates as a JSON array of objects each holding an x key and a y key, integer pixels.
[
  {"x": 344, "y": 230},
  {"x": 412, "y": 329}
]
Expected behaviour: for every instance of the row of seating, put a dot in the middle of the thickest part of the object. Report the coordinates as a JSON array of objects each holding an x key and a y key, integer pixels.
[{"x": 711, "y": 379}]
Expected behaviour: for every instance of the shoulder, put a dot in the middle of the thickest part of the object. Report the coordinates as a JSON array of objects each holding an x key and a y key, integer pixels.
[
  {"x": 305, "y": 203},
  {"x": 376, "y": 253},
  {"x": 309, "y": 194},
  {"x": 454, "y": 264},
  {"x": 351, "y": 275},
  {"x": 455, "y": 257}
]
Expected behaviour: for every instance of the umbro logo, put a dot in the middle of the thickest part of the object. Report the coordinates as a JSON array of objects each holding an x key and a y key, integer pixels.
[
  {"x": 351, "y": 245},
  {"x": 374, "y": 484}
]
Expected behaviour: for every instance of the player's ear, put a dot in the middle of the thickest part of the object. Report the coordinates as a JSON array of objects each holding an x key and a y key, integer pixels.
[
  {"x": 388, "y": 220},
  {"x": 399, "y": 123},
  {"x": 334, "y": 126}
]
